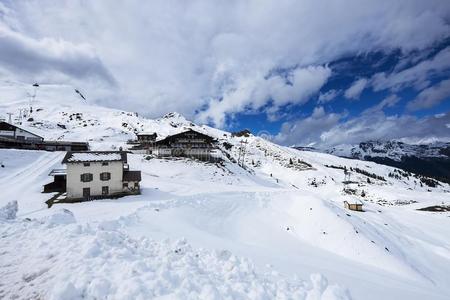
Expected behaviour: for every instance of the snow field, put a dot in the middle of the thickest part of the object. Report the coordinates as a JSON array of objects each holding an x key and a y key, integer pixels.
[{"x": 57, "y": 258}]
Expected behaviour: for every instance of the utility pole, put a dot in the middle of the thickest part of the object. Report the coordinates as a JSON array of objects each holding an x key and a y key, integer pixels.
[{"x": 10, "y": 118}]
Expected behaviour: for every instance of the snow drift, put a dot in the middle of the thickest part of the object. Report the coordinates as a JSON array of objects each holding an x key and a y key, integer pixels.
[{"x": 57, "y": 258}]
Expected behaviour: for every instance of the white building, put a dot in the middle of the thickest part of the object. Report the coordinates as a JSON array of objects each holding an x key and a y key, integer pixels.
[{"x": 99, "y": 174}]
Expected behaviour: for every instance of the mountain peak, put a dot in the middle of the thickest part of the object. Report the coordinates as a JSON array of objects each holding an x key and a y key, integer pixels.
[{"x": 173, "y": 115}]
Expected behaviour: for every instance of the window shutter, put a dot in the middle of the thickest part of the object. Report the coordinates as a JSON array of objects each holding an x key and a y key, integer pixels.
[
  {"x": 104, "y": 176},
  {"x": 86, "y": 177}
]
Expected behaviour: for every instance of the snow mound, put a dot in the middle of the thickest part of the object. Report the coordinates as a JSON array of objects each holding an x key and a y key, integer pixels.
[
  {"x": 99, "y": 262},
  {"x": 60, "y": 217},
  {"x": 9, "y": 211}
]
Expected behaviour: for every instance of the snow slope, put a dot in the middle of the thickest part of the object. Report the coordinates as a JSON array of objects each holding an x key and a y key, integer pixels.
[{"x": 280, "y": 216}]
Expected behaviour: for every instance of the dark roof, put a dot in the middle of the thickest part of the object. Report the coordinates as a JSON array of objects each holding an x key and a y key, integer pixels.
[
  {"x": 172, "y": 137},
  {"x": 131, "y": 175},
  {"x": 147, "y": 133},
  {"x": 94, "y": 156},
  {"x": 10, "y": 127},
  {"x": 7, "y": 126}
]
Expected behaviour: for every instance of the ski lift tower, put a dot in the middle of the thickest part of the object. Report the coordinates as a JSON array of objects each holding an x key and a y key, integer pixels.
[
  {"x": 346, "y": 178},
  {"x": 242, "y": 149},
  {"x": 33, "y": 97}
]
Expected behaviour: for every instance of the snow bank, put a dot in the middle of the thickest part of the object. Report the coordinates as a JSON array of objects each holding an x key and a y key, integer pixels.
[
  {"x": 9, "y": 211},
  {"x": 62, "y": 216},
  {"x": 72, "y": 261}
]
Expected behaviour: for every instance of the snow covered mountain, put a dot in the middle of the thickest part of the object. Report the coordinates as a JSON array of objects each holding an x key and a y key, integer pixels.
[
  {"x": 394, "y": 150},
  {"x": 431, "y": 159},
  {"x": 254, "y": 230}
]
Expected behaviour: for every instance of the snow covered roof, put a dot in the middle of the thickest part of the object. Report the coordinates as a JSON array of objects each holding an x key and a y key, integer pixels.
[
  {"x": 353, "y": 201},
  {"x": 58, "y": 172},
  {"x": 94, "y": 156}
]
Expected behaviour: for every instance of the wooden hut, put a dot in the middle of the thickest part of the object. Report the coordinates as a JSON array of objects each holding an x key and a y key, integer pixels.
[{"x": 356, "y": 205}]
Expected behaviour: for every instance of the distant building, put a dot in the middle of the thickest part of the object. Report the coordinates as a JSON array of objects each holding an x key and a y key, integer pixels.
[
  {"x": 146, "y": 137},
  {"x": 10, "y": 131},
  {"x": 95, "y": 175},
  {"x": 13, "y": 137},
  {"x": 143, "y": 142},
  {"x": 354, "y": 205},
  {"x": 189, "y": 143}
]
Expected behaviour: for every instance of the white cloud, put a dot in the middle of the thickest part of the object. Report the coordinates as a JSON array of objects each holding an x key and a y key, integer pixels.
[
  {"x": 355, "y": 90},
  {"x": 416, "y": 76},
  {"x": 254, "y": 93},
  {"x": 431, "y": 96},
  {"x": 215, "y": 57},
  {"x": 306, "y": 131},
  {"x": 389, "y": 101},
  {"x": 328, "y": 96},
  {"x": 28, "y": 56}
]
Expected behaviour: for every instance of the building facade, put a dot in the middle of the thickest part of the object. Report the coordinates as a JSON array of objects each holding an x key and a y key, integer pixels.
[
  {"x": 99, "y": 174},
  {"x": 189, "y": 143}
]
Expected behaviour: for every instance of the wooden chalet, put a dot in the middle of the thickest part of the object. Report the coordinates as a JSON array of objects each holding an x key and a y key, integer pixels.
[{"x": 189, "y": 143}]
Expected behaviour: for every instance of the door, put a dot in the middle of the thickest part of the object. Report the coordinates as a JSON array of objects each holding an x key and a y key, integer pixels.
[
  {"x": 105, "y": 190},
  {"x": 86, "y": 193}
]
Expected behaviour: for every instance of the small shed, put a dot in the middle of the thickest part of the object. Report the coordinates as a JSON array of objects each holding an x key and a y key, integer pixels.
[
  {"x": 355, "y": 205},
  {"x": 59, "y": 181}
]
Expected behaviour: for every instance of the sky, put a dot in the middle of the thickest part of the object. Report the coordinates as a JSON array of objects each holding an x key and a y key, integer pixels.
[{"x": 303, "y": 72}]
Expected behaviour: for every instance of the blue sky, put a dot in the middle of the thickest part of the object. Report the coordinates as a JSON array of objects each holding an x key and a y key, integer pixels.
[
  {"x": 346, "y": 71},
  {"x": 304, "y": 72}
]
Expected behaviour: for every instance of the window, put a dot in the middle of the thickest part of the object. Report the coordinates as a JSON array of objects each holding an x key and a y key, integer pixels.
[
  {"x": 105, "y": 190},
  {"x": 105, "y": 176},
  {"x": 125, "y": 184},
  {"x": 86, "y": 177},
  {"x": 86, "y": 164},
  {"x": 136, "y": 184},
  {"x": 105, "y": 163}
]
